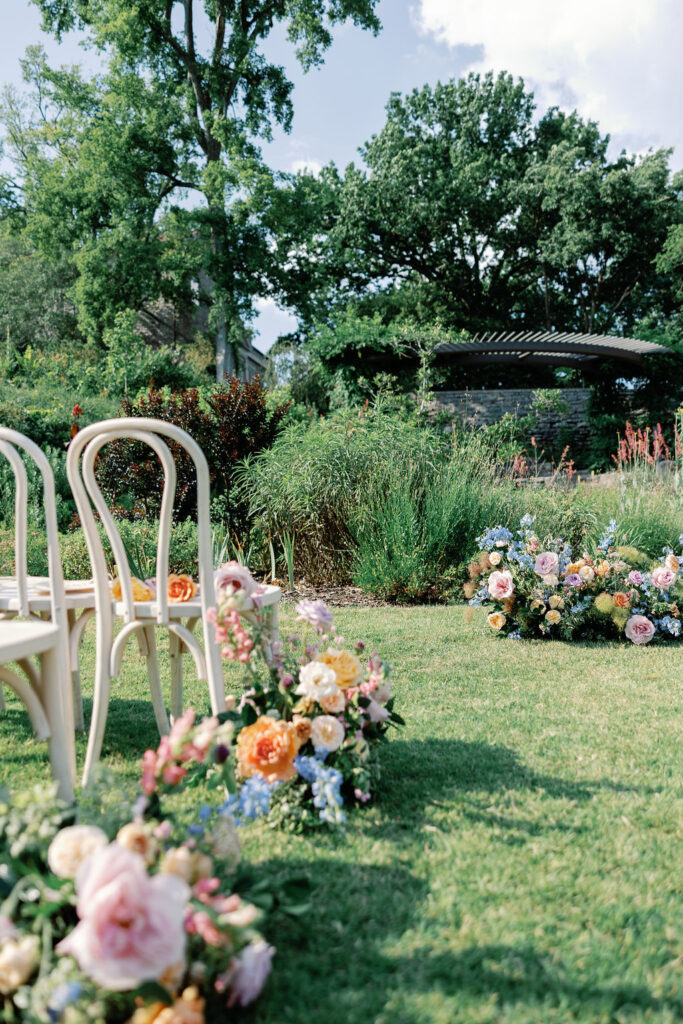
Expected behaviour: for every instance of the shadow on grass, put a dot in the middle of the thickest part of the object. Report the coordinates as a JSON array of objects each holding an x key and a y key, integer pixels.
[
  {"x": 338, "y": 959},
  {"x": 420, "y": 773}
]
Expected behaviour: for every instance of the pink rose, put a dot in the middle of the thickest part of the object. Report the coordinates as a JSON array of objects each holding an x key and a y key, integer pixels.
[
  {"x": 635, "y": 577},
  {"x": 317, "y": 613},
  {"x": 547, "y": 564},
  {"x": 639, "y": 630},
  {"x": 663, "y": 577},
  {"x": 238, "y": 576},
  {"x": 501, "y": 584},
  {"x": 247, "y": 973},
  {"x": 131, "y": 926}
]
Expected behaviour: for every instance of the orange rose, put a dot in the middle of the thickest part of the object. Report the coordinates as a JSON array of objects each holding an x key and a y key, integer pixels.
[
  {"x": 268, "y": 748},
  {"x": 621, "y": 600},
  {"x": 180, "y": 588},
  {"x": 141, "y": 592},
  {"x": 188, "y": 1009},
  {"x": 346, "y": 666}
]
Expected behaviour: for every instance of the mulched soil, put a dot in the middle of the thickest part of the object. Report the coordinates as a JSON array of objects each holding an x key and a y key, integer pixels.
[{"x": 339, "y": 597}]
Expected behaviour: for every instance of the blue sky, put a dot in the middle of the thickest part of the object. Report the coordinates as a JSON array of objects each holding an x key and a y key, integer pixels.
[{"x": 617, "y": 61}]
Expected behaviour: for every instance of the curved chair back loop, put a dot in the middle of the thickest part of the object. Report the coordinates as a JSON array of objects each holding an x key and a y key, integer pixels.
[
  {"x": 10, "y": 440},
  {"x": 86, "y": 445}
]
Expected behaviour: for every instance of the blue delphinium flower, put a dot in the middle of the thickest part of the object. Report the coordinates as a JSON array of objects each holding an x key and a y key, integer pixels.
[
  {"x": 497, "y": 536},
  {"x": 251, "y": 801},
  {"x": 669, "y": 625},
  {"x": 325, "y": 785},
  {"x": 61, "y": 997},
  {"x": 608, "y": 537}
]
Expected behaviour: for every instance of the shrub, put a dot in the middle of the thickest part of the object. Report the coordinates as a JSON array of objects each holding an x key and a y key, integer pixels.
[{"x": 229, "y": 421}]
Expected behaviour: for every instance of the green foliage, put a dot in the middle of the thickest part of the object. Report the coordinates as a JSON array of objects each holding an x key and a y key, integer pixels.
[
  {"x": 229, "y": 421},
  {"x": 130, "y": 364}
]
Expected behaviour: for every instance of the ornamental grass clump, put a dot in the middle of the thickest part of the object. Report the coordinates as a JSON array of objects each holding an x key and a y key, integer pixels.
[{"x": 543, "y": 589}]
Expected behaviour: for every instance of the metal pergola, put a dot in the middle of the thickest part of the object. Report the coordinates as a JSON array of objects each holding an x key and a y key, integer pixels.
[{"x": 545, "y": 348}]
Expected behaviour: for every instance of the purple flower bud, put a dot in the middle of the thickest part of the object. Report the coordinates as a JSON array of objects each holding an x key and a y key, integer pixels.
[
  {"x": 222, "y": 753},
  {"x": 287, "y": 680}
]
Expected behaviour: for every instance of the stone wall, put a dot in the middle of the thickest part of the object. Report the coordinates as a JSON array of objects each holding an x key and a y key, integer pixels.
[{"x": 486, "y": 407}]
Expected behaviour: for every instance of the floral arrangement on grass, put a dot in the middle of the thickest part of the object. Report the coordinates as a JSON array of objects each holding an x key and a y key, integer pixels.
[
  {"x": 135, "y": 918},
  {"x": 542, "y": 589},
  {"x": 312, "y": 714}
]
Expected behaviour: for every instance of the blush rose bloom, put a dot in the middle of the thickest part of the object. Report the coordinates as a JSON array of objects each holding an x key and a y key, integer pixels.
[
  {"x": 132, "y": 927},
  {"x": 663, "y": 577},
  {"x": 316, "y": 613},
  {"x": 346, "y": 666},
  {"x": 18, "y": 959},
  {"x": 635, "y": 577},
  {"x": 232, "y": 574},
  {"x": 547, "y": 564},
  {"x": 327, "y": 733},
  {"x": 71, "y": 846},
  {"x": 268, "y": 748},
  {"x": 639, "y": 630},
  {"x": 246, "y": 974},
  {"x": 501, "y": 584}
]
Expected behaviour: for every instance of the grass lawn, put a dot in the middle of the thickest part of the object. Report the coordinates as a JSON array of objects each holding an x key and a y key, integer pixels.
[{"x": 524, "y": 859}]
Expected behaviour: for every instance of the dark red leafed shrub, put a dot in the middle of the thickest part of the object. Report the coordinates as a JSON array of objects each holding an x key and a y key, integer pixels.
[{"x": 229, "y": 422}]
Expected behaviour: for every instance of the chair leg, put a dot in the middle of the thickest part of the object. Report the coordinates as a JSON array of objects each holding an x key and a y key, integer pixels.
[
  {"x": 214, "y": 670},
  {"x": 100, "y": 706},
  {"x": 155, "y": 681},
  {"x": 3, "y": 706},
  {"x": 59, "y": 741},
  {"x": 175, "y": 652},
  {"x": 79, "y": 721}
]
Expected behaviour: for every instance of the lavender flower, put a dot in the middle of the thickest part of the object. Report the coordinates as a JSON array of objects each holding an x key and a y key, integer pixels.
[{"x": 316, "y": 613}]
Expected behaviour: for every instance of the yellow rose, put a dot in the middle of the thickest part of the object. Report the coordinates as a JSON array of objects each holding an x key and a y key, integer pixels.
[
  {"x": 556, "y": 601},
  {"x": 18, "y": 960},
  {"x": 537, "y": 606},
  {"x": 602, "y": 568},
  {"x": 553, "y": 616},
  {"x": 136, "y": 838},
  {"x": 141, "y": 592},
  {"x": 496, "y": 620},
  {"x": 574, "y": 567},
  {"x": 71, "y": 846},
  {"x": 346, "y": 666}
]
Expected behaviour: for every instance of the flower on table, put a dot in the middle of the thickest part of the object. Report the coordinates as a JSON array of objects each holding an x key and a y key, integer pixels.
[
  {"x": 142, "y": 591},
  {"x": 639, "y": 629},
  {"x": 232, "y": 574},
  {"x": 181, "y": 588},
  {"x": 131, "y": 926},
  {"x": 268, "y": 748}
]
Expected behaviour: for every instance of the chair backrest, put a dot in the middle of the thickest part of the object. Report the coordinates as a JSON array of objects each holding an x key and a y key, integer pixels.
[
  {"x": 10, "y": 441},
  {"x": 80, "y": 466}
]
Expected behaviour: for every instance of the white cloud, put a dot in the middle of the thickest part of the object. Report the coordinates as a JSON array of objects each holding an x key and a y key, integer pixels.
[
  {"x": 312, "y": 166},
  {"x": 271, "y": 322},
  {"x": 617, "y": 61}
]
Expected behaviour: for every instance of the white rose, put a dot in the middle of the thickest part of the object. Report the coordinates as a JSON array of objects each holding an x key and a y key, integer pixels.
[
  {"x": 586, "y": 573},
  {"x": 550, "y": 580},
  {"x": 18, "y": 960},
  {"x": 316, "y": 680},
  {"x": 383, "y": 692},
  {"x": 495, "y": 558},
  {"x": 327, "y": 733},
  {"x": 71, "y": 846}
]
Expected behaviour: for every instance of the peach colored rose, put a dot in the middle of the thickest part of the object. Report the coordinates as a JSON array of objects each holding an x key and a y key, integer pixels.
[
  {"x": 574, "y": 568},
  {"x": 602, "y": 568},
  {"x": 180, "y": 588},
  {"x": 268, "y": 748},
  {"x": 346, "y": 666},
  {"x": 333, "y": 703},
  {"x": 137, "y": 838},
  {"x": 501, "y": 584},
  {"x": 672, "y": 562},
  {"x": 303, "y": 727},
  {"x": 327, "y": 733},
  {"x": 188, "y": 1009},
  {"x": 495, "y": 558},
  {"x": 621, "y": 600},
  {"x": 639, "y": 630},
  {"x": 18, "y": 959},
  {"x": 71, "y": 846},
  {"x": 663, "y": 577},
  {"x": 131, "y": 926},
  {"x": 547, "y": 564},
  {"x": 496, "y": 620},
  {"x": 141, "y": 592}
]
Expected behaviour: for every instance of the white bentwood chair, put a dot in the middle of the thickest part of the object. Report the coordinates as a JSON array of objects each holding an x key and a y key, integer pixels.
[
  {"x": 141, "y": 617},
  {"x": 47, "y": 694}
]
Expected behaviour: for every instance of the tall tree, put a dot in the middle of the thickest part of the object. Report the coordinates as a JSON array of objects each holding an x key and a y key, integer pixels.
[{"x": 172, "y": 116}]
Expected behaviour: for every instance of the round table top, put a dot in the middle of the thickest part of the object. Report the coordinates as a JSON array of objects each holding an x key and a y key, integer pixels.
[{"x": 79, "y": 594}]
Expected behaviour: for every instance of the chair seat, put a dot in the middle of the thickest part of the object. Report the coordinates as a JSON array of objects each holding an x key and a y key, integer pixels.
[
  {"x": 78, "y": 594},
  {"x": 24, "y": 639},
  {"x": 191, "y": 609}
]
